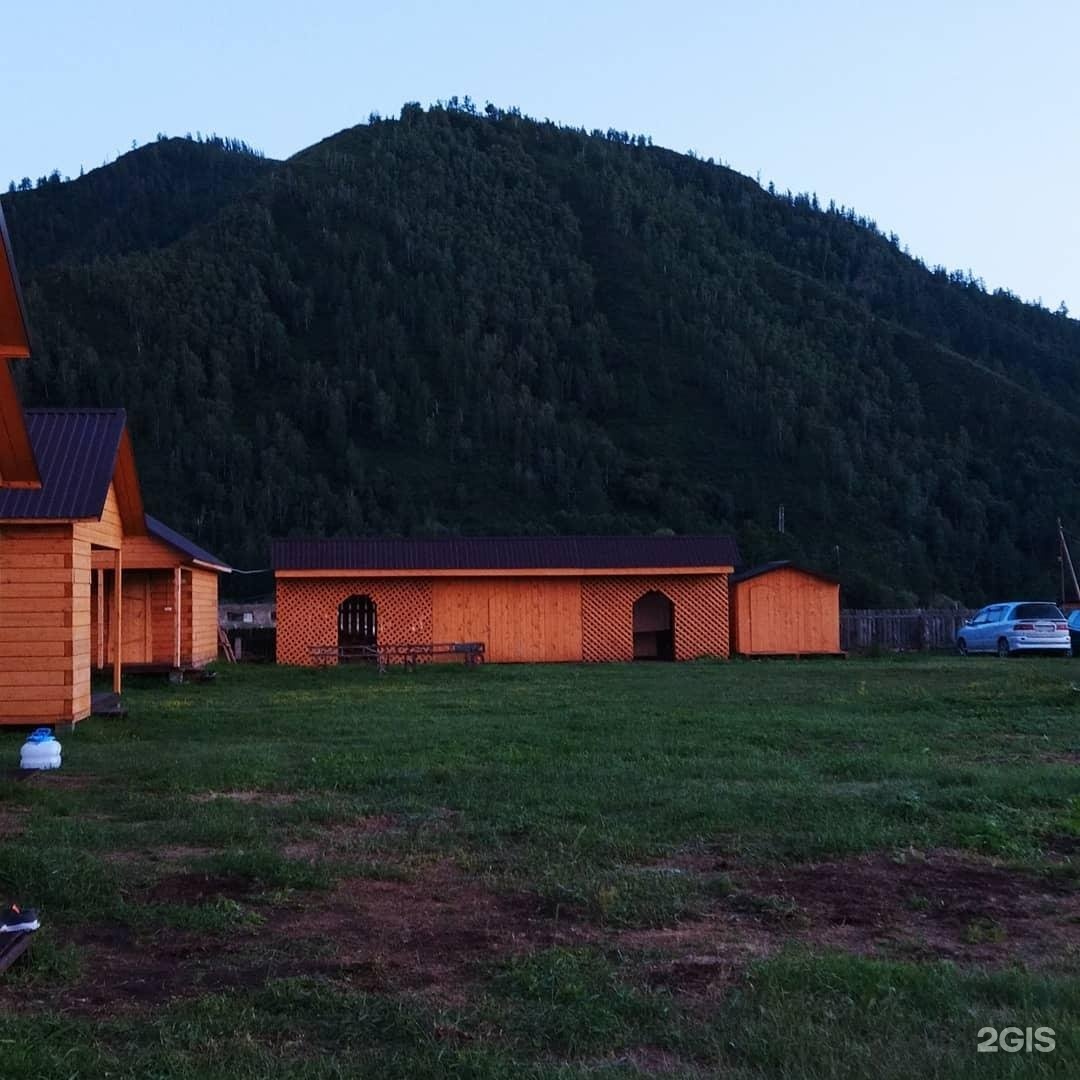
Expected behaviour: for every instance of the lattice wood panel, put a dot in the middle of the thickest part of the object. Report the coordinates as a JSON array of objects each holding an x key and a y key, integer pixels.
[
  {"x": 607, "y": 615},
  {"x": 307, "y": 611}
]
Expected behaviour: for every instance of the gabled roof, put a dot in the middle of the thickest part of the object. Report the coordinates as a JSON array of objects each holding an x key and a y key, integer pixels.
[
  {"x": 506, "y": 553},
  {"x": 14, "y": 335},
  {"x": 182, "y": 544},
  {"x": 780, "y": 564},
  {"x": 79, "y": 453}
]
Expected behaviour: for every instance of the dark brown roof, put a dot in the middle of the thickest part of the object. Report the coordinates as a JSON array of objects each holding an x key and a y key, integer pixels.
[
  {"x": 781, "y": 564},
  {"x": 184, "y": 545},
  {"x": 506, "y": 553},
  {"x": 76, "y": 452}
]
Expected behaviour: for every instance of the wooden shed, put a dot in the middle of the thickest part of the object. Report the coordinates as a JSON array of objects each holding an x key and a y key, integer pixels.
[
  {"x": 85, "y": 505},
  {"x": 170, "y": 603},
  {"x": 779, "y": 609},
  {"x": 526, "y": 599}
]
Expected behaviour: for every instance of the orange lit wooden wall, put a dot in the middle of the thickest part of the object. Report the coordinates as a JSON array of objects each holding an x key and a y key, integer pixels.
[
  {"x": 44, "y": 625},
  {"x": 149, "y": 607},
  {"x": 786, "y": 611},
  {"x": 524, "y": 619}
]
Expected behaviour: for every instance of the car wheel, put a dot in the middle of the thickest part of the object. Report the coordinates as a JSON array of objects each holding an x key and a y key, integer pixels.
[
  {"x": 1003, "y": 649},
  {"x": 961, "y": 647}
]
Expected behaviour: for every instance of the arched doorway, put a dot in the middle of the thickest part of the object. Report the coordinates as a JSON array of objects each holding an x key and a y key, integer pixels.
[
  {"x": 654, "y": 627},
  {"x": 357, "y": 627}
]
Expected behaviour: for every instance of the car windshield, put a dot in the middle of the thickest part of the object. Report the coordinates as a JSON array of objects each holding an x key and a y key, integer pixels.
[{"x": 1037, "y": 611}]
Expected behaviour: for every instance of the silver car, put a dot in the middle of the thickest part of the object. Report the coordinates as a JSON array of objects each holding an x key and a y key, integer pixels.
[{"x": 1016, "y": 627}]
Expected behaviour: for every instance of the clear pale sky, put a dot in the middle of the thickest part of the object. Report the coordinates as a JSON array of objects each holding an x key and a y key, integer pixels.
[{"x": 954, "y": 123}]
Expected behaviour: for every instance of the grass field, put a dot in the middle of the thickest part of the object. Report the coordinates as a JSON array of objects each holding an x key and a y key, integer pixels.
[{"x": 815, "y": 869}]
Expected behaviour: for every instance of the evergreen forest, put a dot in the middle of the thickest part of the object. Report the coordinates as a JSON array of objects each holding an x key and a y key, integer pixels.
[{"x": 464, "y": 320}]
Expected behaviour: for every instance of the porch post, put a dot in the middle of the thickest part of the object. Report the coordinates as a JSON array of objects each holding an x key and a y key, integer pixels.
[
  {"x": 100, "y": 619},
  {"x": 177, "y": 593},
  {"x": 118, "y": 617}
]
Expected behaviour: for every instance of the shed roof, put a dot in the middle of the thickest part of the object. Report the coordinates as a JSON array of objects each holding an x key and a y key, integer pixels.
[
  {"x": 780, "y": 564},
  {"x": 506, "y": 553},
  {"x": 182, "y": 544},
  {"x": 77, "y": 452}
]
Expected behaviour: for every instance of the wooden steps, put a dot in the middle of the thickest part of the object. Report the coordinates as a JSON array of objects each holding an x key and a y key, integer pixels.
[{"x": 107, "y": 704}]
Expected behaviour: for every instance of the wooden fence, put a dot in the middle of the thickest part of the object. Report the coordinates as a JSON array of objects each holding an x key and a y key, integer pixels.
[{"x": 901, "y": 631}]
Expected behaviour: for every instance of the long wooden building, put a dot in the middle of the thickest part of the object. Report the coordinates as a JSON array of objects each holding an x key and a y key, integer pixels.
[{"x": 527, "y": 599}]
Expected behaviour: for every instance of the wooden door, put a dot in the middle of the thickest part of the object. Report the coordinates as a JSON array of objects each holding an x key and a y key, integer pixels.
[{"x": 138, "y": 648}]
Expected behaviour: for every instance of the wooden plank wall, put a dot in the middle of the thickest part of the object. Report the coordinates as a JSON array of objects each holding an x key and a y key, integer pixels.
[
  {"x": 786, "y": 612},
  {"x": 44, "y": 625},
  {"x": 899, "y": 630},
  {"x": 203, "y": 612},
  {"x": 149, "y": 616},
  {"x": 109, "y": 531},
  {"x": 520, "y": 620}
]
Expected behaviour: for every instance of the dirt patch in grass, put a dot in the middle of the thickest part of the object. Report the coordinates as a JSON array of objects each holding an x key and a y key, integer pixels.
[
  {"x": 258, "y": 798},
  {"x": 168, "y": 854},
  {"x": 1061, "y": 845},
  {"x": 342, "y": 836},
  {"x": 940, "y": 905},
  {"x": 53, "y": 778},
  {"x": 436, "y": 935},
  {"x": 13, "y": 820},
  {"x": 197, "y": 888},
  {"x": 433, "y": 933},
  {"x": 440, "y": 932}
]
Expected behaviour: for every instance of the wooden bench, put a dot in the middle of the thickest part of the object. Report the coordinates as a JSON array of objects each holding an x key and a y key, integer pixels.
[
  {"x": 12, "y": 946},
  {"x": 408, "y": 654}
]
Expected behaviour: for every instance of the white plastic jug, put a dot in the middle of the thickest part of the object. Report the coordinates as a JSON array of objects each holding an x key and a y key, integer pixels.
[{"x": 40, "y": 751}]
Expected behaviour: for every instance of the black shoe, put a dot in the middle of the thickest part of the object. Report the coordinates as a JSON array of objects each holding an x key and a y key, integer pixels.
[{"x": 16, "y": 920}]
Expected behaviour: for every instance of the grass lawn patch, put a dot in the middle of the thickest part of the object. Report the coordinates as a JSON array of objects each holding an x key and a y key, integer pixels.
[{"x": 755, "y": 869}]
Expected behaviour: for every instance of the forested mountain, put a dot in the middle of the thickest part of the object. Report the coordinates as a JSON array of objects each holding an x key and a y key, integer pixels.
[{"x": 469, "y": 322}]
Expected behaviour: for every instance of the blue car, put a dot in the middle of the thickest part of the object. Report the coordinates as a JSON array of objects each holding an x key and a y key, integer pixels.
[
  {"x": 1016, "y": 627},
  {"x": 1074, "y": 630}
]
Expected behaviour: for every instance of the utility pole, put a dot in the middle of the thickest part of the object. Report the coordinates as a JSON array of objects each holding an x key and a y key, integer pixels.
[{"x": 1066, "y": 561}]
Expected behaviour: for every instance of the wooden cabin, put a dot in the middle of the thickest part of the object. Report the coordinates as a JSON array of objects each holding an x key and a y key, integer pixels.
[
  {"x": 779, "y": 609},
  {"x": 86, "y": 503},
  {"x": 527, "y": 599},
  {"x": 169, "y": 600},
  {"x": 71, "y": 512}
]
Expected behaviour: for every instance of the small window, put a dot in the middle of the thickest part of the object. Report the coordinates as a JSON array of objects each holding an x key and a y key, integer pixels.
[{"x": 249, "y": 616}]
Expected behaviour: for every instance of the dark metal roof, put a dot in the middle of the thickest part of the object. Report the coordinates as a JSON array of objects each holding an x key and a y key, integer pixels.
[
  {"x": 506, "y": 553},
  {"x": 780, "y": 564},
  {"x": 76, "y": 455},
  {"x": 183, "y": 544}
]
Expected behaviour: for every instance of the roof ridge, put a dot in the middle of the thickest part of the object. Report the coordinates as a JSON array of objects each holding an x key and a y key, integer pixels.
[{"x": 72, "y": 410}]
